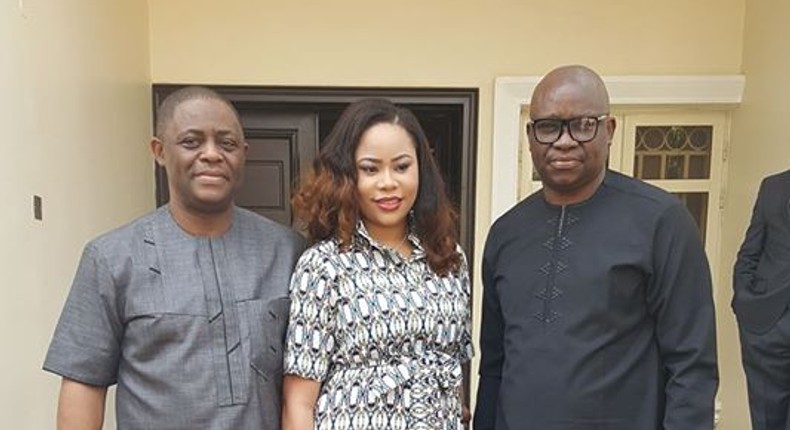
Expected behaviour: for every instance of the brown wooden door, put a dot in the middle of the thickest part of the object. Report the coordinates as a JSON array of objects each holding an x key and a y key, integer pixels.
[{"x": 283, "y": 145}]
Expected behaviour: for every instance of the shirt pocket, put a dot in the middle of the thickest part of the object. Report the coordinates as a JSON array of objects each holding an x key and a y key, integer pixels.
[{"x": 268, "y": 320}]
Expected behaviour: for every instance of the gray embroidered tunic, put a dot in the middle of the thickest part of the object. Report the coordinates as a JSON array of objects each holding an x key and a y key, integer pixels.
[
  {"x": 190, "y": 328},
  {"x": 384, "y": 334}
]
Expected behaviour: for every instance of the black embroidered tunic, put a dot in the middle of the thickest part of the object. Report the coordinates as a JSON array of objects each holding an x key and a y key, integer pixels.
[{"x": 597, "y": 315}]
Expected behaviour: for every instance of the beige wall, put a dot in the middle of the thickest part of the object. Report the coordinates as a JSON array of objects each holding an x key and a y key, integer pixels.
[
  {"x": 75, "y": 111},
  {"x": 760, "y": 146},
  {"x": 74, "y": 115},
  {"x": 438, "y": 43}
]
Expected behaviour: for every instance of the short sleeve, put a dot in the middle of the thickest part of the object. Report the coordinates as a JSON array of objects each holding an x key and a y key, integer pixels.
[
  {"x": 310, "y": 339},
  {"x": 87, "y": 340}
]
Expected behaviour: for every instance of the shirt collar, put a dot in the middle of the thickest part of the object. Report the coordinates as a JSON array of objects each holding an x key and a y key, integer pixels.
[{"x": 363, "y": 239}]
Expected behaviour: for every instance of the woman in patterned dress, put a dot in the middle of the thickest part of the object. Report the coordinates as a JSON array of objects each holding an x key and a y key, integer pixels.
[{"x": 379, "y": 324}]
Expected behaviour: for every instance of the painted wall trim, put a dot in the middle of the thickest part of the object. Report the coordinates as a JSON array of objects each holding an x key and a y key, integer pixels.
[{"x": 511, "y": 94}]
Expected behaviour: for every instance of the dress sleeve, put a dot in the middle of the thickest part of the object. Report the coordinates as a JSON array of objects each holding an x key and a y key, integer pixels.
[
  {"x": 681, "y": 302},
  {"x": 310, "y": 339},
  {"x": 491, "y": 351},
  {"x": 752, "y": 248},
  {"x": 466, "y": 351},
  {"x": 87, "y": 341}
]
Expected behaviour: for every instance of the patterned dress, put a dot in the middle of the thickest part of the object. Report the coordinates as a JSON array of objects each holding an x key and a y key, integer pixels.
[{"x": 385, "y": 335}]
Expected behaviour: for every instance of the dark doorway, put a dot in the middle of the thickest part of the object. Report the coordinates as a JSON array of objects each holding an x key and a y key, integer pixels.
[{"x": 285, "y": 126}]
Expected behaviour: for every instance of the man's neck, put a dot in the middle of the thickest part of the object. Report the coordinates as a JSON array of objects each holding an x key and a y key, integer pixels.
[
  {"x": 571, "y": 197},
  {"x": 202, "y": 223}
]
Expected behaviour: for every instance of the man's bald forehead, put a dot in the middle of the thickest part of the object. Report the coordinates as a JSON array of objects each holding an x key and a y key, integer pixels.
[{"x": 583, "y": 77}]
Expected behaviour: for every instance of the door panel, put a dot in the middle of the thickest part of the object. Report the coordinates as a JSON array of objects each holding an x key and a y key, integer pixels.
[
  {"x": 282, "y": 146},
  {"x": 683, "y": 152},
  {"x": 268, "y": 170}
]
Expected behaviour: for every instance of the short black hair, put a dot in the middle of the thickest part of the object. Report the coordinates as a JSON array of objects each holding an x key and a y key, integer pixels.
[{"x": 168, "y": 106}]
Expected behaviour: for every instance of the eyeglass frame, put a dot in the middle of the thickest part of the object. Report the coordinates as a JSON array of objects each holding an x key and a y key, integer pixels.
[{"x": 565, "y": 125}]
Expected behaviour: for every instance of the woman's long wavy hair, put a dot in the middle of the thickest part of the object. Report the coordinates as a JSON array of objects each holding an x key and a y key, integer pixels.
[{"x": 327, "y": 201}]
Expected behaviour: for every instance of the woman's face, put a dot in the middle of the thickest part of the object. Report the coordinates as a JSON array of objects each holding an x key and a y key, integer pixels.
[{"x": 387, "y": 179}]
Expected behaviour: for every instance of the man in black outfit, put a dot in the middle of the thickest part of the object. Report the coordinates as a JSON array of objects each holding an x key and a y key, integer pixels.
[
  {"x": 761, "y": 281},
  {"x": 597, "y": 305}
]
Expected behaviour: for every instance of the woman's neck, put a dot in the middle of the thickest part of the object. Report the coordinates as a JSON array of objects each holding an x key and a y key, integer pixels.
[{"x": 394, "y": 237}]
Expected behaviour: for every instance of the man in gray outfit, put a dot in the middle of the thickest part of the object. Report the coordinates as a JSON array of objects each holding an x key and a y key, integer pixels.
[{"x": 185, "y": 308}]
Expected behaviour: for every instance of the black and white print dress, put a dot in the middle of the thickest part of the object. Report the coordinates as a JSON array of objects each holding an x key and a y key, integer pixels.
[{"x": 384, "y": 334}]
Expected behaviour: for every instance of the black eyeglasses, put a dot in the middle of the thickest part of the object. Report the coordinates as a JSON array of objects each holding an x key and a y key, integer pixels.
[{"x": 549, "y": 130}]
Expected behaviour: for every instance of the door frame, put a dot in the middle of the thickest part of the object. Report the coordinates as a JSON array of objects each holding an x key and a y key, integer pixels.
[{"x": 269, "y": 97}]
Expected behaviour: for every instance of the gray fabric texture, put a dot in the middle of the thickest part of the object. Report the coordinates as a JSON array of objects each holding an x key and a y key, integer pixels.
[{"x": 190, "y": 328}]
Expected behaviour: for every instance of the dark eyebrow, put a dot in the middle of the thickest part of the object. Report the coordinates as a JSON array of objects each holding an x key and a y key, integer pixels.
[
  {"x": 564, "y": 118},
  {"x": 402, "y": 157},
  {"x": 370, "y": 159},
  {"x": 227, "y": 132},
  {"x": 189, "y": 131},
  {"x": 379, "y": 161},
  {"x": 201, "y": 133}
]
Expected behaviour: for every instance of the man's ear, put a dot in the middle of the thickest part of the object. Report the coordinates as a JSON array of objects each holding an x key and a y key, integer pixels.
[
  {"x": 611, "y": 125},
  {"x": 158, "y": 151}
]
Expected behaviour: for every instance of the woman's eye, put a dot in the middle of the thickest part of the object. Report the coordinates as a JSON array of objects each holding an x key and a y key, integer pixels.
[
  {"x": 368, "y": 169},
  {"x": 400, "y": 168}
]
